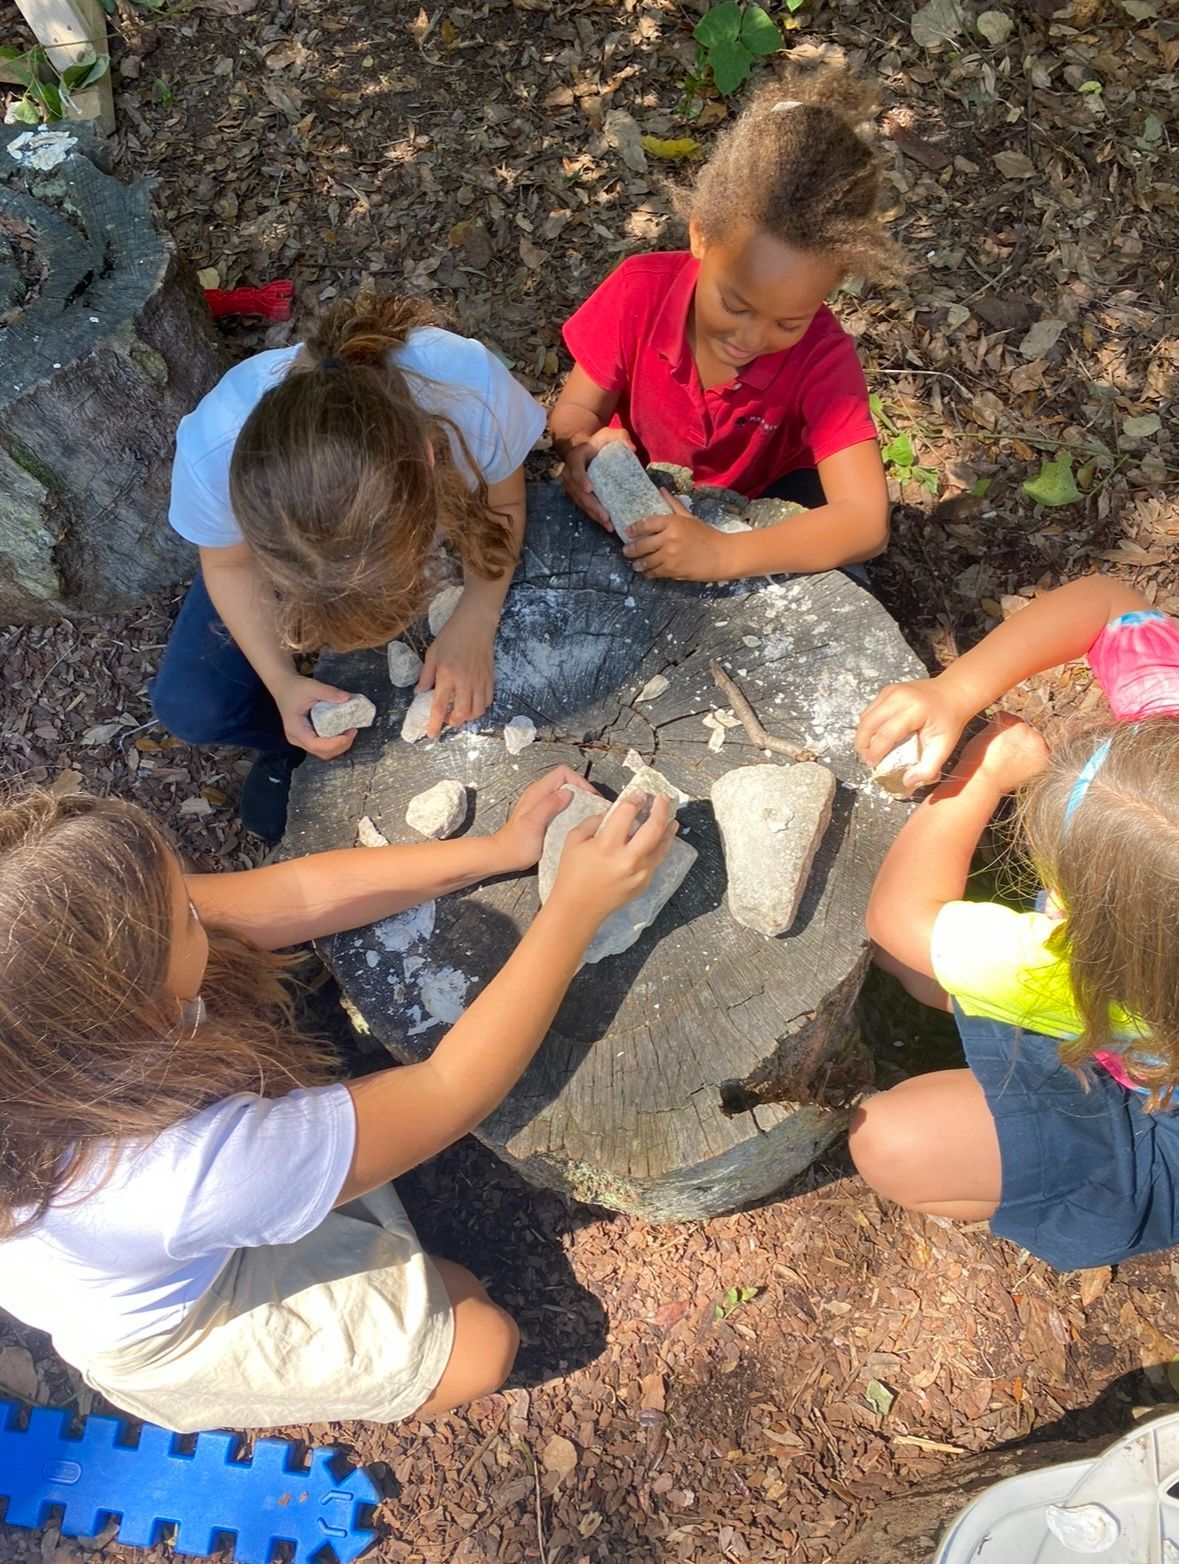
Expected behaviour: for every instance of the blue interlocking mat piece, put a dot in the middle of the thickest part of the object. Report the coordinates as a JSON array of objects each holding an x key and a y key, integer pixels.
[{"x": 204, "y": 1493}]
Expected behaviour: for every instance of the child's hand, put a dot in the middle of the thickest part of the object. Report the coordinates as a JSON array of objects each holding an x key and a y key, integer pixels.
[
  {"x": 603, "y": 866},
  {"x": 1009, "y": 751},
  {"x": 575, "y": 478},
  {"x": 294, "y": 699},
  {"x": 926, "y": 707},
  {"x": 677, "y": 546},
  {"x": 522, "y": 838},
  {"x": 459, "y": 667}
]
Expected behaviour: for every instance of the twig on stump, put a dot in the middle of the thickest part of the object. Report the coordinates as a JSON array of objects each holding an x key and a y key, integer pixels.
[{"x": 748, "y": 718}]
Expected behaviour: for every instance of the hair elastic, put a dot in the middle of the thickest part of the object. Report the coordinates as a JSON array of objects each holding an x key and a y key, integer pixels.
[
  {"x": 785, "y": 105},
  {"x": 1088, "y": 771},
  {"x": 334, "y": 362}
]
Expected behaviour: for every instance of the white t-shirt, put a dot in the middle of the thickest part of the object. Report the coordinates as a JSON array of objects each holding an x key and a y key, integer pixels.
[
  {"x": 116, "y": 1261},
  {"x": 453, "y": 376}
]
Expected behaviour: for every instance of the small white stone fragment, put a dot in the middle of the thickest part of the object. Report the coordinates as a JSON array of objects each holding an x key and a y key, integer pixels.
[
  {"x": 751, "y": 640},
  {"x": 444, "y": 994},
  {"x": 330, "y": 718},
  {"x": 654, "y": 688},
  {"x": 405, "y": 666},
  {"x": 716, "y": 734},
  {"x": 889, "y": 773},
  {"x": 371, "y": 957},
  {"x": 634, "y": 761},
  {"x": 368, "y": 835},
  {"x": 519, "y": 733},
  {"x": 439, "y": 810},
  {"x": 771, "y": 819},
  {"x": 728, "y": 718},
  {"x": 403, "y": 929},
  {"x": 620, "y": 482},
  {"x": 442, "y": 607},
  {"x": 647, "y": 780},
  {"x": 417, "y": 717}
]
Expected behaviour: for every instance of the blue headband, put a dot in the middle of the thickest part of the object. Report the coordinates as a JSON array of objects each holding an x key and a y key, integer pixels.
[{"x": 1081, "y": 786}]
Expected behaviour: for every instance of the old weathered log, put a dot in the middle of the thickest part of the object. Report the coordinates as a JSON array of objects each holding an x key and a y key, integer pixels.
[
  {"x": 707, "y": 1065},
  {"x": 105, "y": 344}
]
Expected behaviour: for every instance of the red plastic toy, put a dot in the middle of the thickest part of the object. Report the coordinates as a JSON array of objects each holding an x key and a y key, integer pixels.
[{"x": 272, "y": 302}]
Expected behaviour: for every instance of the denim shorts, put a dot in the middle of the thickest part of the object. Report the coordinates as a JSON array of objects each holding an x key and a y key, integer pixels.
[{"x": 1089, "y": 1177}]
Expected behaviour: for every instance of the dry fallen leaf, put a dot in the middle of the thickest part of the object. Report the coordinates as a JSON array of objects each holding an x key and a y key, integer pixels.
[
  {"x": 1014, "y": 165},
  {"x": 559, "y": 1456},
  {"x": 18, "y": 1373}
]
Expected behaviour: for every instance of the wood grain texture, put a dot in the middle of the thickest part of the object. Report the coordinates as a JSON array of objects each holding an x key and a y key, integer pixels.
[{"x": 701, "y": 1069}]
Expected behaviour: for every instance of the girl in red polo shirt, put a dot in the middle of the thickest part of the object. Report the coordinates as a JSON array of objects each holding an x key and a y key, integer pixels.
[{"x": 724, "y": 359}]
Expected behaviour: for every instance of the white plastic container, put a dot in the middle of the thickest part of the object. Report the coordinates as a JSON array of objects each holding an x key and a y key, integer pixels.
[{"x": 1118, "y": 1509}]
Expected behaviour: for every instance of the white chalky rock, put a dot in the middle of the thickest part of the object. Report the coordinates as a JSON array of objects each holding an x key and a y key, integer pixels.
[
  {"x": 438, "y": 811},
  {"x": 654, "y": 688},
  {"x": 416, "y": 718},
  {"x": 771, "y": 819},
  {"x": 330, "y": 718},
  {"x": 405, "y": 666},
  {"x": 634, "y": 761},
  {"x": 518, "y": 734},
  {"x": 889, "y": 773},
  {"x": 620, "y": 482},
  {"x": 623, "y": 927},
  {"x": 444, "y": 994},
  {"x": 442, "y": 607},
  {"x": 368, "y": 835},
  {"x": 647, "y": 780}
]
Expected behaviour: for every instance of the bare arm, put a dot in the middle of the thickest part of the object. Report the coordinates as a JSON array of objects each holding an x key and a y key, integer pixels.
[
  {"x": 1051, "y": 630},
  {"x": 578, "y": 425},
  {"x": 404, "y": 1116},
  {"x": 245, "y": 601}
]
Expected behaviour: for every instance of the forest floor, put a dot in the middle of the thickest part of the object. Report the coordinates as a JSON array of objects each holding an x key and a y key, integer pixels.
[{"x": 488, "y": 155}]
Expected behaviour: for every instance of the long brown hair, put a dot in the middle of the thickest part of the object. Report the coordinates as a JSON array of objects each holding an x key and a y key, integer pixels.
[
  {"x": 341, "y": 483},
  {"x": 91, "y": 1050},
  {"x": 1113, "y": 861},
  {"x": 795, "y": 166}
]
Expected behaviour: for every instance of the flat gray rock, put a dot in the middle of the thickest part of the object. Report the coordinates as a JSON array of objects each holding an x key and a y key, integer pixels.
[
  {"x": 622, "y": 928},
  {"x": 771, "y": 819},
  {"x": 439, "y": 810},
  {"x": 405, "y": 666},
  {"x": 330, "y": 718},
  {"x": 621, "y": 483},
  {"x": 889, "y": 773}
]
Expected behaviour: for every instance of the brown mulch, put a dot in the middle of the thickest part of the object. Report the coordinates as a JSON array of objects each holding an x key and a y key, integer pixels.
[{"x": 485, "y": 155}]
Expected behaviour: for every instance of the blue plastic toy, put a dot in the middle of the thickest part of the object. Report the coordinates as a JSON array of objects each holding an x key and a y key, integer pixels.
[{"x": 152, "y": 1485}]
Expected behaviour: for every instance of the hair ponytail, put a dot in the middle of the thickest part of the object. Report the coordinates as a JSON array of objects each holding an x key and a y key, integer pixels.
[{"x": 342, "y": 483}]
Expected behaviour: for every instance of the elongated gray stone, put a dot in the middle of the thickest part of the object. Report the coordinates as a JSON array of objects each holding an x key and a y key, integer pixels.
[
  {"x": 330, "y": 718},
  {"x": 439, "y": 810},
  {"x": 405, "y": 666},
  {"x": 367, "y": 834},
  {"x": 414, "y": 726},
  {"x": 889, "y": 773},
  {"x": 626, "y": 493},
  {"x": 442, "y": 607},
  {"x": 622, "y": 928},
  {"x": 771, "y": 819}
]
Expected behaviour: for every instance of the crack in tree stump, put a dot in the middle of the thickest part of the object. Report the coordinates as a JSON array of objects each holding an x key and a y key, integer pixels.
[
  {"x": 105, "y": 344},
  {"x": 706, "y": 1066}
]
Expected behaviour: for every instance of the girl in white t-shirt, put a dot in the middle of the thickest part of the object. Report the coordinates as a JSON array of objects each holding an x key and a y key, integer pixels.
[
  {"x": 202, "y": 1223},
  {"x": 316, "y": 482}
]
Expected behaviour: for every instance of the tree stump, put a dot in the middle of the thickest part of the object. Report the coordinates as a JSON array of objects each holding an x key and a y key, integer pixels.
[
  {"x": 106, "y": 344},
  {"x": 706, "y": 1066}
]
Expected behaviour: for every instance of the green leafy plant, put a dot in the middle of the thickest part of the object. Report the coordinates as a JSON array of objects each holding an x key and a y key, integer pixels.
[
  {"x": 48, "y": 93},
  {"x": 900, "y": 462},
  {"x": 733, "y": 1299},
  {"x": 1054, "y": 484},
  {"x": 730, "y": 37}
]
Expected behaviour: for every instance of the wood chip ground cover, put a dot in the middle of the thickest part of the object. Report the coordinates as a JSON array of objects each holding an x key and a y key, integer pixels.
[{"x": 491, "y": 157}]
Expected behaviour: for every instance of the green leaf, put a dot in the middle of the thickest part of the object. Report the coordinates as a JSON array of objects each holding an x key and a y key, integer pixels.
[
  {"x": 794, "y": 5},
  {"x": 720, "y": 25},
  {"x": 161, "y": 93},
  {"x": 730, "y": 66},
  {"x": 7, "y": 52},
  {"x": 979, "y": 488},
  {"x": 899, "y": 452},
  {"x": 51, "y": 98},
  {"x": 24, "y": 111},
  {"x": 1089, "y": 86},
  {"x": 1152, "y": 128},
  {"x": 85, "y": 73},
  {"x": 927, "y": 477},
  {"x": 759, "y": 33},
  {"x": 1054, "y": 483},
  {"x": 879, "y": 1397}
]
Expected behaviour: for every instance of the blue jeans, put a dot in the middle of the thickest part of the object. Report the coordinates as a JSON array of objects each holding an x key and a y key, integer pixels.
[{"x": 206, "y": 692}]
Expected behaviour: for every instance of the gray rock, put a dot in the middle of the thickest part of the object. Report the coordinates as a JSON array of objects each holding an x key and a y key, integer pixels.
[
  {"x": 771, "y": 819},
  {"x": 889, "y": 773},
  {"x": 622, "y": 928},
  {"x": 655, "y": 686},
  {"x": 368, "y": 835},
  {"x": 405, "y": 666},
  {"x": 626, "y": 493},
  {"x": 518, "y": 734},
  {"x": 442, "y": 607},
  {"x": 330, "y": 718},
  {"x": 647, "y": 780},
  {"x": 416, "y": 718},
  {"x": 439, "y": 810}
]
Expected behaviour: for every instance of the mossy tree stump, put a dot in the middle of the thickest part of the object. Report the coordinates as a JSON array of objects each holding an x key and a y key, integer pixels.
[
  {"x": 706, "y": 1066},
  {"x": 105, "y": 344}
]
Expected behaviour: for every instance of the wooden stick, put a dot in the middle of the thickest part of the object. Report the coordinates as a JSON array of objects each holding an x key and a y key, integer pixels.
[{"x": 748, "y": 718}]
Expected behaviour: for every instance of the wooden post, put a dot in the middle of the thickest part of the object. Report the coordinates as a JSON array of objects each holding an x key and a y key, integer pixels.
[{"x": 71, "y": 31}]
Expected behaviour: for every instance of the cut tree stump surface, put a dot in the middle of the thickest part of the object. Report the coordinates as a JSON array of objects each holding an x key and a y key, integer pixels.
[{"x": 706, "y": 1066}]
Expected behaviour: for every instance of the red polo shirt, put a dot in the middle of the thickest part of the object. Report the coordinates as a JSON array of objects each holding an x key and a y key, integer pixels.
[{"x": 781, "y": 411}]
